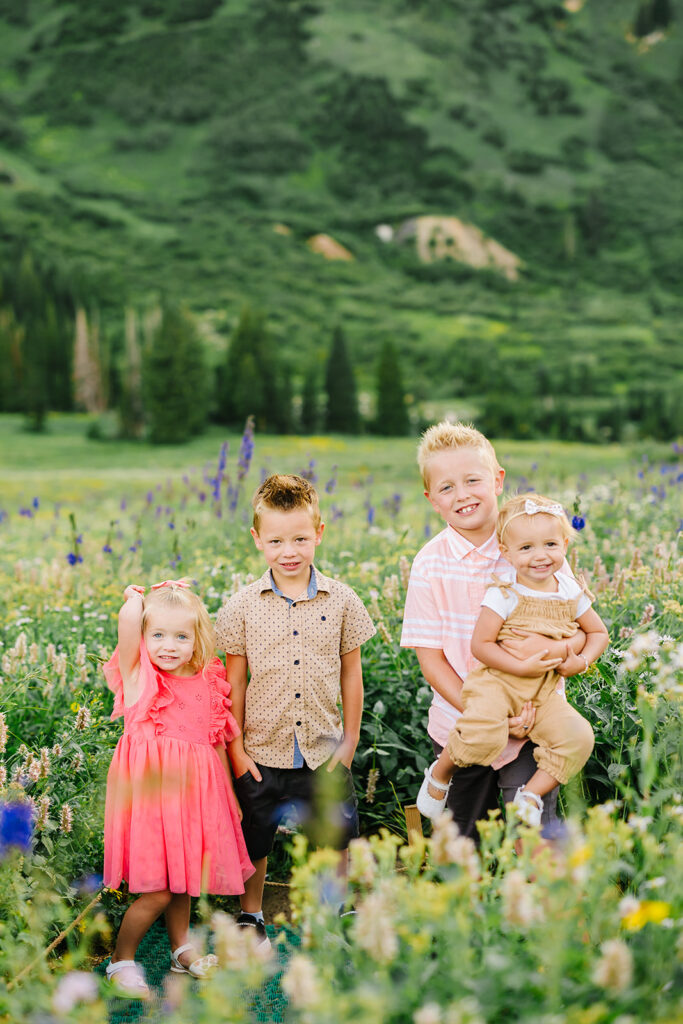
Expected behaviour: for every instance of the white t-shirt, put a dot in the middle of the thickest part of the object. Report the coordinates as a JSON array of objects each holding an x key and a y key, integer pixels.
[{"x": 504, "y": 602}]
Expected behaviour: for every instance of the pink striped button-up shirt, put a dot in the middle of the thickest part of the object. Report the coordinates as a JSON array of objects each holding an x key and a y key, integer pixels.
[{"x": 448, "y": 580}]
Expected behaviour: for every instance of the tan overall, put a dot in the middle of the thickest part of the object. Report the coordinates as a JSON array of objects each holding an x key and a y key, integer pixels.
[{"x": 564, "y": 738}]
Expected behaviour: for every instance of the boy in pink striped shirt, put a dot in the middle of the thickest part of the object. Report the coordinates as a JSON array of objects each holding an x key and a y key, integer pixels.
[{"x": 448, "y": 580}]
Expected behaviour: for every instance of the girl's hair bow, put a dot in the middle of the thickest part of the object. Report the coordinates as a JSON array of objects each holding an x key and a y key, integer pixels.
[
  {"x": 531, "y": 508},
  {"x": 170, "y": 583}
]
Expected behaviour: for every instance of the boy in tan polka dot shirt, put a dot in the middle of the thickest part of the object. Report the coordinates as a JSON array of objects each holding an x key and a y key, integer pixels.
[{"x": 292, "y": 641}]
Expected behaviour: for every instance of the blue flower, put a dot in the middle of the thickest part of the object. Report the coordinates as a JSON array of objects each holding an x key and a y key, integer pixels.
[
  {"x": 35, "y": 502},
  {"x": 16, "y": 826},
  {"x": 106, "y": 548},
  {"x": 578, "y": 522},
  {"x": 72, "y": 558}
]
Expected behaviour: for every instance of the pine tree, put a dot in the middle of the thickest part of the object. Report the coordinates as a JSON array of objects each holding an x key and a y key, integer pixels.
[
  {"x": 131, "y": 409},
  {"x": 253, "y": 382},
  {"x": 392, "y": 414},
  {"x": 310, "y": 413},
  {"x": 174, "y": 380},
  {"x": 87, "y": 375},
  {"x": 342, "y": 414},
  {"x": 662, "y": 14},
  {"x": 643, "y": 24}
]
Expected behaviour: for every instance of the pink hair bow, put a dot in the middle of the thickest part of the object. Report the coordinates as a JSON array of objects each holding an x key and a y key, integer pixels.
[
  {"x": 169, "y": 583},
  {"x": 531, "y": 508}
]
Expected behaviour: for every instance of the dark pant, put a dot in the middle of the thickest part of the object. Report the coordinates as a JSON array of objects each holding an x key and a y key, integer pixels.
[
  {"x": 477, "y": 789},
  {"x": 323, "y": 803}
]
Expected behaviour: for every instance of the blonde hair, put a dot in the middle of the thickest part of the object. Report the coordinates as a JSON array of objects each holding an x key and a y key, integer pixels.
[
  {"x": 446, "y": 435},
  {"x": 515, "y": 507},
  {"x": 173, "y": 596},
  {"x": 285, "y": 493}
]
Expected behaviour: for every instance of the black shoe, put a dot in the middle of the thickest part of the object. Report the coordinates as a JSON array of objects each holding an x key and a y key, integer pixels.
[{"x": 261, "y": 936}]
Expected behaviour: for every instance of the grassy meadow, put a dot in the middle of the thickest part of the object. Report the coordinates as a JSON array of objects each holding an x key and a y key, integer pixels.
[{"x": 80, "y": 518}]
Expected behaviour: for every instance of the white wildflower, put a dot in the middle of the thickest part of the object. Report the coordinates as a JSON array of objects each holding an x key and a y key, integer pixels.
[
  {"x": 78, "y": 761},
  {"x": 83, "y": 718},
  {"x": 519, "y": 907},
  {"x": 362, "y": 863},
  {"x": 390, "y": 589},
  {"x": 614, "y": 969},
  {"x": 3, "y": 733},
  {"x": 384, "y": 632},
  {"x": 33, "y": 654},
  {"x": 34, "y": 771},
  {"x": 430, "y": 1013},
  {"x": 81, "y": 655},
  {"x": 373, "y": 928},
  {"x": 50, "y": 654},
  {"x": 3, "y": 776},
  {"x": 44, "y": 762},
  {"x": 404, "y": 571},
  {"x": 43, "y": 807},
  {"x": 300, "y": 982},
  {"x": 371, "y": 787},
  {"x": 75, "y": 987},
  {"x": 464, "y": 1011},
  {"x": 57, "y": 750},
  {"x": 449, "y": 847},
  {"x": 628, "y": 905},
  {"x": 20, "y": 647},
  {"x": 235, "y": 946},
  {"x": 66, "y": 819}
]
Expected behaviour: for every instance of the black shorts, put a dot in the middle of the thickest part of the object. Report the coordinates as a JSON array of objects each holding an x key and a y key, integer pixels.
[{"x": 323, "y": 804}]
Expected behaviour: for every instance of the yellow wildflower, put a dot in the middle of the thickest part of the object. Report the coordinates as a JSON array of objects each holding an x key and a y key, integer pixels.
[{"x": 647, "y": 912}]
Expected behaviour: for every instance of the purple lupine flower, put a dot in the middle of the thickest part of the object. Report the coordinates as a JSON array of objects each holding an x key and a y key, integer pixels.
[
  {"x": 578, "y": 522},
  {"x": 73, "y": 558},
  {"x": 246, "y": 449},
  {"x": 36, "y": 503},
  {"x": 16, "y": 826},
  {"x": 332, "y": 482}
]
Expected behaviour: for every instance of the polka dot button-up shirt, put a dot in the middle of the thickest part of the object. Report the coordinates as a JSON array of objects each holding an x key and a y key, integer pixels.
[{"x": 293, "y": 650}]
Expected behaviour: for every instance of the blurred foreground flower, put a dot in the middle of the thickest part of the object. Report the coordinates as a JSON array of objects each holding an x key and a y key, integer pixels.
[
  {"x": 75, "y": 987},
  {"x": 16, "y": 826},
  {"x": 614, "y": 969}
]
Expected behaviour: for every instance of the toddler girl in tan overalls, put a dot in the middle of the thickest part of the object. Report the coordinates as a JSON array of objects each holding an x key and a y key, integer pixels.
[{"x": 533, "y": 534}]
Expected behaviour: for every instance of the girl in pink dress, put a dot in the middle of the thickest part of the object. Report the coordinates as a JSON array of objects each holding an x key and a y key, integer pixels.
[{"x": 172, "y": 823}]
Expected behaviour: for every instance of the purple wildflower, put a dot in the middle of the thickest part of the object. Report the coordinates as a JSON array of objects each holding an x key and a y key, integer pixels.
[{"x": 16, "y": 826}]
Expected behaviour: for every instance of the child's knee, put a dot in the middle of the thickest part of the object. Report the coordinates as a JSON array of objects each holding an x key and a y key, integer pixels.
[{"x": 582, "y": 741}]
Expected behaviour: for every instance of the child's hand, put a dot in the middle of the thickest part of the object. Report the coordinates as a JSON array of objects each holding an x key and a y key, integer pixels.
[
  {"x": 519, "y": 725},
  {"x": 242, "y": 763},
  {"x": 132, "y": 590},
  {"x": 343, "y": 754},
  {"x": 538, "y": 663},
  {"x": 573, "y": 665}
]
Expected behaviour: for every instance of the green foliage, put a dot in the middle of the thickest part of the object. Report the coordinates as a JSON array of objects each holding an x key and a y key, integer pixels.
[
  {"x": 341, "y": 410},
  {"x": 392, "y": 413},
  {"x": 254, "y": 382},
  {"x": 174, "y": 380}
]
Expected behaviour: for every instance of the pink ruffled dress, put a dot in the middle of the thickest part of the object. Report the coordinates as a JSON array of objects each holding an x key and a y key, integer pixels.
[{"x": 171, "y": 820}]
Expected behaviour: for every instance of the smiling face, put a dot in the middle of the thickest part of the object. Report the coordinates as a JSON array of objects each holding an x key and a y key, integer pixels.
[
  {"x": 288, "y": 540},
  {"x": 463, "y": 489},
  {"x": 535, "y": 546},
  {"x": 169, "y": 638}
]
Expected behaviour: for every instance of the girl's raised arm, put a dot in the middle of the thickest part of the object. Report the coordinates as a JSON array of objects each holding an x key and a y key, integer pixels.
[{"x": 130, "y": 629}]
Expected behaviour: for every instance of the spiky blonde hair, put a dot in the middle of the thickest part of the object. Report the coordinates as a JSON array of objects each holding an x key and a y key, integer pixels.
[
  {"x": 285, "y": 492},
  {"x": 446, "y": 435}
]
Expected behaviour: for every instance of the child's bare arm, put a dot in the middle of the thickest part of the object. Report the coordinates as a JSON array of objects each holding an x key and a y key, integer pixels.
[
  {"x": 351, "y": 684},
  {"x": 130, "y": 629},
  {"x": 526, "y": 644},
  {"x": 597, "y": 640},
  {"x": 490, "y": 653},
  {"x": 220, "y": 750},
  {"x": 236, "y": 668},
  {"x": 440, "y": 675}
]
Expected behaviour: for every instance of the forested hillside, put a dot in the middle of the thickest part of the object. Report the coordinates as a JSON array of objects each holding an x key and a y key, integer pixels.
[{"x": 189, "y": 149}]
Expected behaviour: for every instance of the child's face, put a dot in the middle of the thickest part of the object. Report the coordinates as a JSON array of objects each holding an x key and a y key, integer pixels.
[
  {"x": 288, "y": 541},
  {"x": 463, "y": 489},
  {"x": 535, "y": 546},
  {"x": 169, "y": 638}
]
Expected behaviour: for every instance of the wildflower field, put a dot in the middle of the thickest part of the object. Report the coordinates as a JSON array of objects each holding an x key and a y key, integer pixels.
[{"x": 584, "y": 933}]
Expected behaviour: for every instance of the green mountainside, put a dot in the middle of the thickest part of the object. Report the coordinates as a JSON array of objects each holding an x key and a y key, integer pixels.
[{"x": 190, "y": 148}]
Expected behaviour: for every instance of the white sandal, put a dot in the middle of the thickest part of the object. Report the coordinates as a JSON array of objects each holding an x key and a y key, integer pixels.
[
  {"x": 199, "y": 968},
  {"x": 132, "y": 984},
  {"x": 528, "y": 807},
  {"x": 430, "y": 806}
]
